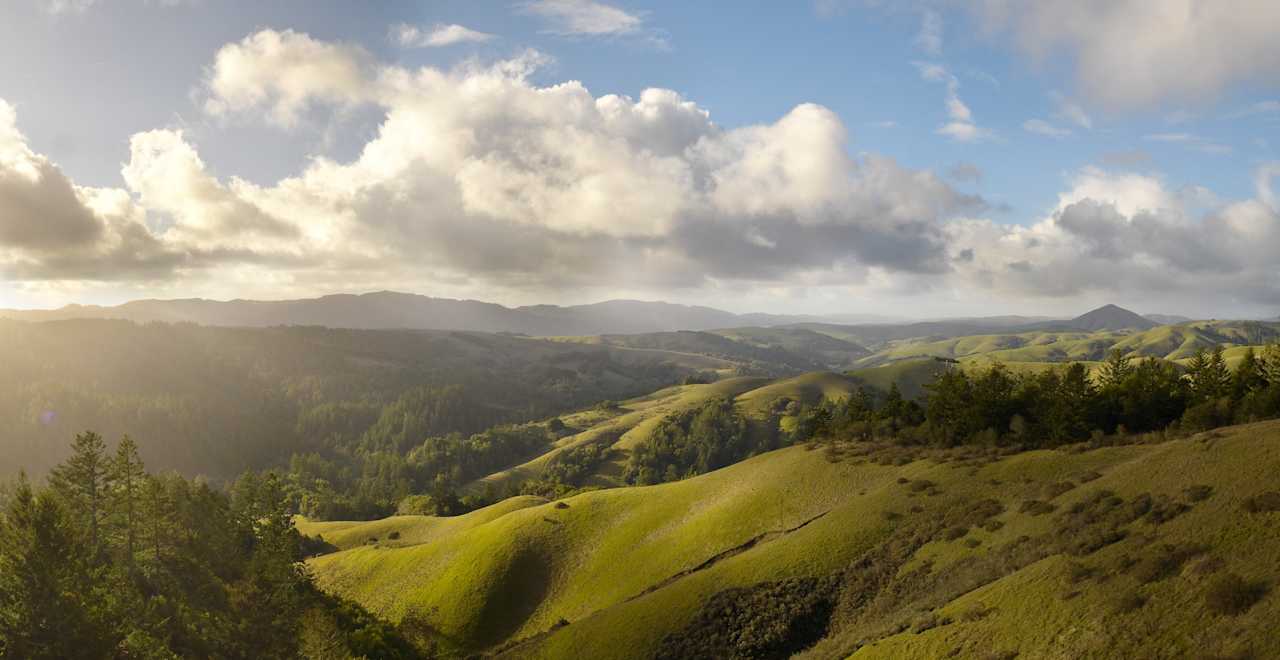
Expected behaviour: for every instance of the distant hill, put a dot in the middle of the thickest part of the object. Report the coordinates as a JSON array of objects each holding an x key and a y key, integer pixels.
[
  {"x": 1168, "y": 319},
  {"x": 391, "y": 310},
  {"x": 1111, "y": 317}
]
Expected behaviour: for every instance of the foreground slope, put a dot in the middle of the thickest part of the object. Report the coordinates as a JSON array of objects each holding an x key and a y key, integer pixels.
[{"x": 1103, "y": 552}]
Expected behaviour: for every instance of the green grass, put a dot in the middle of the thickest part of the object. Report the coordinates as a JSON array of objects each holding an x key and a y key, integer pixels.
[
  {"x": 605, "y": 564},
  {"x": 1171, "y": 342}
]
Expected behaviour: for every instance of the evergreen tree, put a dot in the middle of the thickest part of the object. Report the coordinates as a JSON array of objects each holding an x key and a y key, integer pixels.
[
  {"x": 128, "y": 479},
  {"x": 83, "y": 483},
  {"x": 1249, "y": 376},
  {"x": 1115, "y": 370},
  {"x": 1209, "y": 376},
  {"x": 44, "y": 582}
]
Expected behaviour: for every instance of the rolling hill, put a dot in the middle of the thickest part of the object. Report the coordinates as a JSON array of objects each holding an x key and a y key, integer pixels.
[
  {"x": 864, "y": 552},
  {"x": 1171, "y": 342},
  {"x": 631, "y": 422}
]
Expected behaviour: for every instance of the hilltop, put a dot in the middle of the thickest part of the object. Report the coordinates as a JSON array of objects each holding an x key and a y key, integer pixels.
[
  {"x": 894, "y": 553},
  {"x": 1111, "y": 317}
]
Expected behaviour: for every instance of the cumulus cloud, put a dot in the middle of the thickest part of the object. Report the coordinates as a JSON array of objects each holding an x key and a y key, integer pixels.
[
  {"x": 50, "y": 227},
  {"x": 437, "y": 36},
  {"x": 1117, "y": 234},
  {"x": 1137, "y": 53},
  {"x": 480, "y": 179},
  {"x": 286, "y": 72}
]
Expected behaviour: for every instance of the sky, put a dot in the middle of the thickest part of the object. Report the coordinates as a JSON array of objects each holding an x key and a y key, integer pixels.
[{"x": 914, "y": 158}]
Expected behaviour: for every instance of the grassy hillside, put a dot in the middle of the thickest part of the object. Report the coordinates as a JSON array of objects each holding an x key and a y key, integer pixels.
[
  {"x": 1105, "y": 552},
  {"x": 630, "y": 422},
  {"x": 1171, "y": 342}
]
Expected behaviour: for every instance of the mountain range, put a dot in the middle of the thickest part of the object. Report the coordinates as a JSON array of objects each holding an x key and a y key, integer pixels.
[{"x": 393, "y": 310}]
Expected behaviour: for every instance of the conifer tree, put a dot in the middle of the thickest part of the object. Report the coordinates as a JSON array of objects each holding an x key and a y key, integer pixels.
[
  {"x": 44, "y": 581},
  {"x": 83, "y": 484},
  {"x": 128, "y": 478}
]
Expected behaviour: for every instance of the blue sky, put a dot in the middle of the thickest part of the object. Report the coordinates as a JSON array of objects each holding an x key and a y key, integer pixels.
[{"x": 1039, "y": 124}]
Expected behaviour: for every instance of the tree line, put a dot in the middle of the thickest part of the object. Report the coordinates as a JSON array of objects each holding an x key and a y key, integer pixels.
[
  {"x": 110, "y": 561},
  {"x": 1062, "y": 405}
]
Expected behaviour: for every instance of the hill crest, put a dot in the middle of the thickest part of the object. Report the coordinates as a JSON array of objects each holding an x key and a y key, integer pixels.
[{"x": 1111, "y": 317}]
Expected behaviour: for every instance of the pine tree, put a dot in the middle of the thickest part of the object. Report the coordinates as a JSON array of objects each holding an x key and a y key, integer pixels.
[
  {"x": 128, "y": 478},
  {"x": 44, "y": 582},
  {"x": 1210, "y": 378},
  {"x": 1117, "y": 368},
  {"x": 83, "y": 484},
  {"x": 1249, "y": 376}
]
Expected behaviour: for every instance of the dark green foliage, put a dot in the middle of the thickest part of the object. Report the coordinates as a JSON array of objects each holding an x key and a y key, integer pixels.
[
  {"x": 768, "y": 620},
  {"x": 1263, "y": 502},
  {"x": 692, "y": 442},
  {"x": 217, "y": 401},
  {"x": 178, "y": 569},
  {"x": 569, "y": 470},
  {"x": 1229, "y": 594},
  {"x": 1163, "y": 562},
  {"x": 1061, "y": 405}
]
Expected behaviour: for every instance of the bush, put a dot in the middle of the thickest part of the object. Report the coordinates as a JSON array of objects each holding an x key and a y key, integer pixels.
[
  {"x": 1130, "y": 601},
  {"x": 1036, "y": 507},
  {"x": 394, "y": 536},
  {"x": 1263, "y": 502},
  {"x": 1229, "y": 594},
  {"x": 1198, "y": 493}
]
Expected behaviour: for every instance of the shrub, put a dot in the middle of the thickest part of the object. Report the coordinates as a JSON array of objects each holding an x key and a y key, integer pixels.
[
  {"x": 921, "y": 485},
  {"x": 1164, "y": 562},
  {"x": 394, "y": 536},
  {"x": 1229, "y": 594},
  {"x": 1198, "y": 492},
  {"x": 1036, "y": 507},
  {"x": 1263, "y": 502},
  {"x": 562, "y": 505},
  {"x": 1088, "y": 476},
  {"x": 953, "y": 533},
  {"x": 1130, "y": 601}
]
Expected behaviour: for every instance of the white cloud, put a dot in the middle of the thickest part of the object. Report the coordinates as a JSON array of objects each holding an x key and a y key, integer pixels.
[
  {"x": 961, "y": 127},
  {"x": 439, "y": 35},
  {"x": 584, "y": 17},
  {"x": 1129, "y": 235},
  {"x": 1042, "y": 127},
  {"x": 51, "y": 228},
  {"x": 481, "y": 181},
  {"x": 1138, "y": 53},
  {"x": 929, "y": 39},
  {"x": 67, "y": 6},
  {"x": 286, "y": 72}
]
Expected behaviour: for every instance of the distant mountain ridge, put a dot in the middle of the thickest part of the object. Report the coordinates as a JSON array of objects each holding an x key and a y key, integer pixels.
[
  {"x": 392, "y": 310},
  {"x": 1111, "y": 317}
]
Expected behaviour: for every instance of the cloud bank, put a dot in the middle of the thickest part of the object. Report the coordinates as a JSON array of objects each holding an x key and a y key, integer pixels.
[{"x": 481, "y": 179}]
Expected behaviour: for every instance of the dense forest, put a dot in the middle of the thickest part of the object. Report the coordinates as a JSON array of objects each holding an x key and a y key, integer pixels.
[
  {"x": 219, "y": 401},
  {"x": 111, "y": 561}
]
